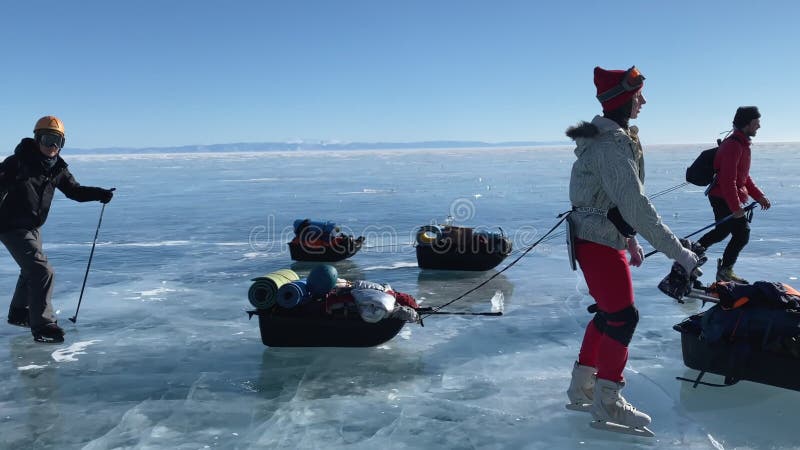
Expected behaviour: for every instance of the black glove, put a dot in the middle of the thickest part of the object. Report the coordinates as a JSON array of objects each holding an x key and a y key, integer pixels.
[{"x": 105, "y": 195}]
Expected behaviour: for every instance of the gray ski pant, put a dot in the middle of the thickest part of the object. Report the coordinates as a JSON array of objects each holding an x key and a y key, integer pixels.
[{"x": 35, "y": 283}]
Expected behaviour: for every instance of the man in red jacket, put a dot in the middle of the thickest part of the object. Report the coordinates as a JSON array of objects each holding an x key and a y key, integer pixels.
[{"x": 731, "y": 191}]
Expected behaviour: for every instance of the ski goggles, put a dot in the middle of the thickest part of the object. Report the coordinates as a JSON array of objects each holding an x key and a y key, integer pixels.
[
  {"x": 51, "y": 140},
  {"x": 632, "y": 80}
]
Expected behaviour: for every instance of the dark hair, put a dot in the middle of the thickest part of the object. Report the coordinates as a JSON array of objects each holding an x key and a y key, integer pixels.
[
  {"x": 621, "y": 115},
  {"x": 744, "y": 115}
]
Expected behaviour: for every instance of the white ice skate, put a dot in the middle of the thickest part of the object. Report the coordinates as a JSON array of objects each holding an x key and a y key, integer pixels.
[
  {"x": 612, "y": 412},
  {"x": 581, "y": 388}
]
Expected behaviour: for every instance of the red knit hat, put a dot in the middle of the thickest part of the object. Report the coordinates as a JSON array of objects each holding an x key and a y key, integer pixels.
[{"x": 617, "y": 87}]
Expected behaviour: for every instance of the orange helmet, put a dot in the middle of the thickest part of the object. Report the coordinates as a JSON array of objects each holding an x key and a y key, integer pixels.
[{"x": 49, "y": 123}]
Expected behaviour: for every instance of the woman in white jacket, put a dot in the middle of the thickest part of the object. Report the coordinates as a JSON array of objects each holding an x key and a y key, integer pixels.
[{"x": 609, "y": 208}]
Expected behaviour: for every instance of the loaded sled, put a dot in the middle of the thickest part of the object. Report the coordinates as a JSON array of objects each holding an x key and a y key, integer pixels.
[
  {"x": 322, "y": 242},
  {"x": 446, "y": 247},
  {"x": 363, "y": 314},
  {"x": 752, "y": 333}
]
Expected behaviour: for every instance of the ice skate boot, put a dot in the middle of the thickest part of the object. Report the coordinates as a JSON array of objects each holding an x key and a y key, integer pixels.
[
  {"x": 611, "y": 412},
  {"x": 726, "y": 273},
  {"x": 18, "y": 317},
  {"x": 581, "y": 388},
  {"x": 678, "y": 284},
  {"x": 49, "y": 333}
]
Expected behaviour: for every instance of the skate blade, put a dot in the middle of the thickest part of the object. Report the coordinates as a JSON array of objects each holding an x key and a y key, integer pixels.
[
  {"x": 702, "y": 295},
  {"x": 582, "y": 407},
  {"x": 617, "y": 428}
]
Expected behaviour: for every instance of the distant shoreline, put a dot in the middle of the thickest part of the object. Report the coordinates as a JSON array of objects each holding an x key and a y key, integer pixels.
[
  {"x": 316, "y": 146},
  {"x": 222, "y": 150},
  {"x": 300, "y": 153}
]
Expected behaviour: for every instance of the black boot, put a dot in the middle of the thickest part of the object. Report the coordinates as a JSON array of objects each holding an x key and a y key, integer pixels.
[
  {"x": 49, "y": 333},
  {"x": 18, "y": 317}
]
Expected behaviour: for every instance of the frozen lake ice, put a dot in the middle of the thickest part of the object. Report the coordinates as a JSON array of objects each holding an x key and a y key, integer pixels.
[{"x": 163, "y": 355}]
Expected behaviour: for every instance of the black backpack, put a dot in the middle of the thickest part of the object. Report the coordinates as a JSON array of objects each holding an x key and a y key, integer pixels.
[{"x": 701, "y": 172}]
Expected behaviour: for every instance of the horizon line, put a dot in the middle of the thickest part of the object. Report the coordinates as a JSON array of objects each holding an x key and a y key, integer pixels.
[{"x": 292, "y": 146}]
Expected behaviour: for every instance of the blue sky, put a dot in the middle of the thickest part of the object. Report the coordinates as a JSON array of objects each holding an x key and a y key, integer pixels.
[{"x": 165, "y": 73}]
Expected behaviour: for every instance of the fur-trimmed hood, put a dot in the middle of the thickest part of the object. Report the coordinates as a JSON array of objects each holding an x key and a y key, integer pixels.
[
  {"x": 584, "y": 133},
  {"x": 582, "y": 130}
]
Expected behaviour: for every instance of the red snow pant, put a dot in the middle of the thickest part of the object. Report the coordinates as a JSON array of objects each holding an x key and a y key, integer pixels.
[{"x": 609, "y": 280}]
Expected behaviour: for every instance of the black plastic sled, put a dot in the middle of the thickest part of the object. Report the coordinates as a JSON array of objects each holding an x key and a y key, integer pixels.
[
  {"x": 458, "y": 248},
  {"x": 288, "y": 330},
  {"x": 337, "y": 249},
  {"x": 758, "y": 357}
]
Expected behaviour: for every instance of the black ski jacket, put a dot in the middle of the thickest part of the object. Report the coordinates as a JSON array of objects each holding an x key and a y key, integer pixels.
[{"x": 27, "y": 188}]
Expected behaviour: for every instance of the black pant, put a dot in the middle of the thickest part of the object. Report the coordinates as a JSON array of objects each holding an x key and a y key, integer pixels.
[
  {"x": 35, "y": 283},
  {"x": 739, "y": 228}
]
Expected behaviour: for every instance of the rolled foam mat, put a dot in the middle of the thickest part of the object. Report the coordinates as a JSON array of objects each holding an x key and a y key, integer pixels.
[
  {"x": 263, "y": 292},
  {"x": 293, "y": 294}
]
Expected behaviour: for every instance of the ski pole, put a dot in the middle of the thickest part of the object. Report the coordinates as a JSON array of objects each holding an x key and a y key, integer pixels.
[
  {"x": 74, "y": 318},
  {"x": 724, "y": 219}
]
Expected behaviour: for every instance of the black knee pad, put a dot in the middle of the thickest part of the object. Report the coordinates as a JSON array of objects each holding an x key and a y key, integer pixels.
[
  {"x": 623, "y": 324},
  {"x": 599, "y": 319}
]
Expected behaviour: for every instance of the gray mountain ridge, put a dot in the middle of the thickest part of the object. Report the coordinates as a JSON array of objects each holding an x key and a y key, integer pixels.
[{"x": 311, "y": 145}]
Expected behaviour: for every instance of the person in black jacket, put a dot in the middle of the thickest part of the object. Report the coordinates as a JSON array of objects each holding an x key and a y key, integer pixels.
[{"x": 28, "y": 179}]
